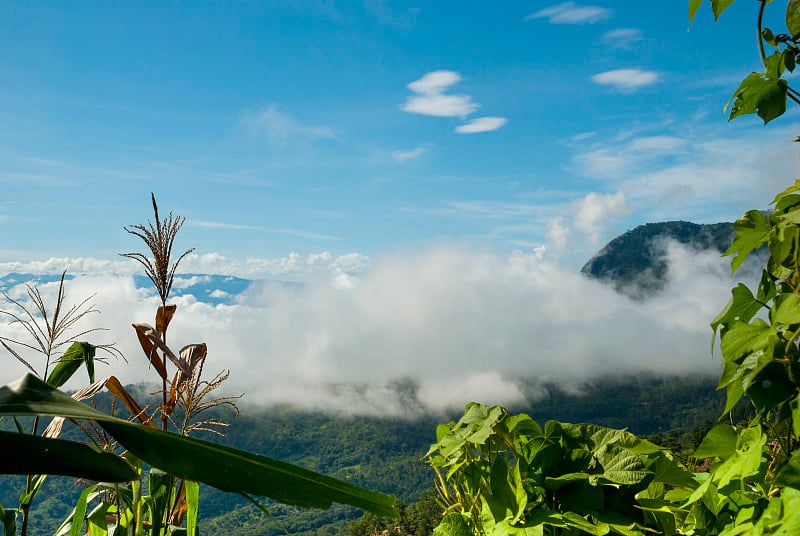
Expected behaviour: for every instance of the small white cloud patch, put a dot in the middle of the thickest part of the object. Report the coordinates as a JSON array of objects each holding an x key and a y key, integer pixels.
[
  {"x": 481, "y": 124},
  {"x": 572, "y": 13},
  {"x": 403, "y": 156},
  {"x": 280, "y": 126},
  {"x": 626, "y": 80}
]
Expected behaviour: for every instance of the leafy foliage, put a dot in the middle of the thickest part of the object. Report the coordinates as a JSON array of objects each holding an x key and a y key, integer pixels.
[{"x": 501, "y": 474}]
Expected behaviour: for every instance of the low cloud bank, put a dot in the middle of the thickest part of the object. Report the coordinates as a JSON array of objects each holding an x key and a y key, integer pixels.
[{"x": 426, "y": 331}]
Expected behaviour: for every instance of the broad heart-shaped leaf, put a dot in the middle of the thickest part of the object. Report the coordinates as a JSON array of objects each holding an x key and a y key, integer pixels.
[
  {"x": 25, "y": 454},
  {"x": 759, "y": 94},
  {"x": 786, "y": 310},
  {"x": 742, "y": 339},
  {"x": 219, "y": 466},
  {"x": 719, "y": 442},
  {"x": 752, "y": 230},
  {"x": 788, "y": 191},
  {"x": 745, "y": 461},
  {"x": 742, "y": 307},
  {"x": 454, "y": 524}
]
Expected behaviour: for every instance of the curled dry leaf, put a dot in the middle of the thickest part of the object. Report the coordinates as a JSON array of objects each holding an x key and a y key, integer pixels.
[
  {"x": 150, "y": 340},
  {"x": 116, "y": 388},
  {"x": 191, "y": 355},
  {"x": 164, "y": 316}
]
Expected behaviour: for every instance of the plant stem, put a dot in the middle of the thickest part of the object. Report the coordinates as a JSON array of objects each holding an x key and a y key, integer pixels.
[{"x": 759, "y": 25}]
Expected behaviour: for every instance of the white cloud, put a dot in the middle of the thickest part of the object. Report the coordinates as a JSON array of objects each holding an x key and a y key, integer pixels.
[
  {"x": 293, "y": 267},
  {"x": 557, "y": 233},
  {"x": 431, "y": 96},
  {"x": 626, "y": 80},
  {"x": 456, "y": 323},
  {"x": 481, "y": 124},
  {"x": 403, "y": 156},
  {"x": 584, "y": 220},
  {"x": 701, "y": 175},
  {"x": 622, "y": 38},
  {"x": 280, "y": 126},
  {"x": 572, "y": 13},
  {"x": 613, "y": 160},
  {"x": 595, "y": 210}
]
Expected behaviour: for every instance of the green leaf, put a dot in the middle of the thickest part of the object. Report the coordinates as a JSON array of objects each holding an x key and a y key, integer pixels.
[
  {"x": 25, "y": 454},
  {"x": 9, "y": 520},
  {"x": 741, "y": 307},
  {"x": 159, "y": 487},
  {"x": 719, "y": 442},
  {"x": 73, "y": 523},
  {"x": 77, "y": 354},
  {"x": 786, "y": 309},
  {"x": 759, "y": 94},
  {"x": 746, "y": 460},
  {"x": 788, "y": 191},
  {"x": 742, "y": 339},
  {"x": 193, "y": 506},
  {"x": 752, "y": 230},
  {"x": 223, "y": 467},
  {"x": 694, "y": 5},
  {"x": 768, "y": 36},
  {"x": 454, "y": 524},
  {"x": 789, "y": 476},
  {"x": 719, "y": 6},
  {"x": 793, "y": 17}
]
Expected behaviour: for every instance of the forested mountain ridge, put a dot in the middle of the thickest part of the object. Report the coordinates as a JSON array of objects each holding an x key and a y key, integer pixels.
[
  {"x": 386, "y": 453},
  {"x": 635, "y": 262}
]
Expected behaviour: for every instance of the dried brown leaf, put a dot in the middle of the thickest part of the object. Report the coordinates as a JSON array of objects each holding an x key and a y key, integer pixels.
[
  {"x": 150, "y": 334},
  {"x": 164, "y": 316}
]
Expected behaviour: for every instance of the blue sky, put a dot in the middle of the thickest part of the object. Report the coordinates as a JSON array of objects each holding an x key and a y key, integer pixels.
[
  {"x": 435, "y": 173},
  {"x": 360, "y": 128}
]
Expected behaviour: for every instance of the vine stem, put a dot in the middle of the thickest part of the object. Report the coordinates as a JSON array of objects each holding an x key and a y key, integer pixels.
[{"x": 760, "y": 24}]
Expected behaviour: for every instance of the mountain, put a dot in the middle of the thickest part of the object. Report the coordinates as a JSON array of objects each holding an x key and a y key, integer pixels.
[
  {"x": 207, "y": 288},
  {"x": 636, "y": 261}
]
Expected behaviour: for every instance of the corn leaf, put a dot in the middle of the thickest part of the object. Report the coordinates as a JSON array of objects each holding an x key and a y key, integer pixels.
[
  {"x": 223, "y": 467},
  {"x": 25, "y": 454}
]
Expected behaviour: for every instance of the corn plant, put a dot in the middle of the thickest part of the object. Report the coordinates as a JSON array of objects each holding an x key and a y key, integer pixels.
[{"x": 127, "y": 497}]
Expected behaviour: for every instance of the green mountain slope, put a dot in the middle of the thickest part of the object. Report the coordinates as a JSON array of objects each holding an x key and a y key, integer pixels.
[{"x": 635, "y": 262}]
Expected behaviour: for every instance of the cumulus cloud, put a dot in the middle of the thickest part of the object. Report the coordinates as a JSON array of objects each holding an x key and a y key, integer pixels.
[
  {"x": 594, "y": 210},
  {"x": 586, "y": 217},
  {"x": 481, "y": 124},
  {"x": 626, "y": 80},
  {"x": 280, "y": 126},
  {"x": 429, "y": 330},
  {"x": 403, "y": 156},
  {"x": 431, "y": 97},
  {"x": 572, "y": 13}
]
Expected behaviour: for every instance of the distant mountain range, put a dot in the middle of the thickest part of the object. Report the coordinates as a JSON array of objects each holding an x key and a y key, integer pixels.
[
  {"x": 636, "y": 263},
  {"x": 207, "y": 288}
]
